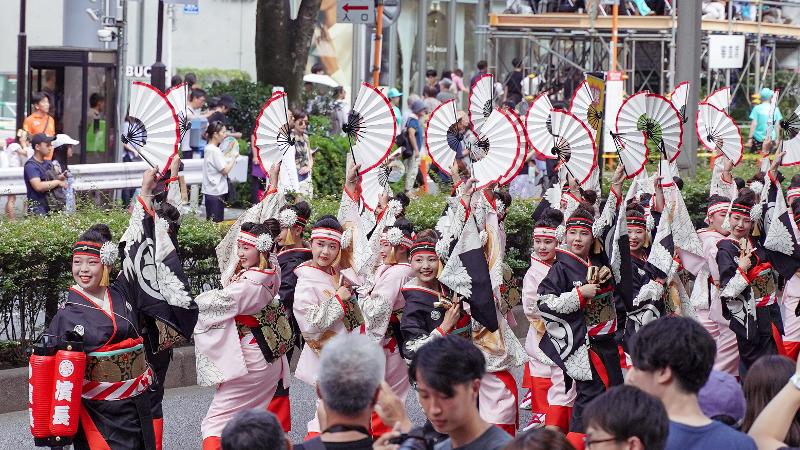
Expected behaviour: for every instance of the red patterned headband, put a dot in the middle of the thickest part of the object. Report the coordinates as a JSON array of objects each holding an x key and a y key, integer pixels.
[
  {"x": 327, "y": 233},
  {"x": 717, "y": 207},
  {"x": 423, "y": 247},
  {"x": 636, "y": 222},
  {"x": 743, "y": 210},
  {"x": 86, "y": 248},
  {"x": 544, "y": 232},
  {"x": 247, "y": 238},
  {"x": 579, "y": 222}
]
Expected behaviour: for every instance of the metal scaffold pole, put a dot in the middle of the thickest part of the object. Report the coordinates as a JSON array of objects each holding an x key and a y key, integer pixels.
[{"x": 687, "y": 68}]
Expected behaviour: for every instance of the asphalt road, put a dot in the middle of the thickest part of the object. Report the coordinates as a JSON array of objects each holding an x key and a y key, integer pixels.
[{"x": 185, "y": 407}]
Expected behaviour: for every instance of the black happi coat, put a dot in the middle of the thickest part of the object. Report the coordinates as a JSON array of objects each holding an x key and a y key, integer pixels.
[
  {"x": 288, "y": 260},
  {"x": 421, "y": 319},
  {"x": 566, "y": 315},
  {"x": 153, "y": 284}
]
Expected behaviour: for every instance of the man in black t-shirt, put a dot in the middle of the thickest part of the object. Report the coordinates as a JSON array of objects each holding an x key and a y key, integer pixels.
[
  {"x": 351, "y": 369},
  {"x": 513, "y": 87}
]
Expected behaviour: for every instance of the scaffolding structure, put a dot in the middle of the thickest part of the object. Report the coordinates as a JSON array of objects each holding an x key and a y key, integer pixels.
[{"x": 562, "y": 47}]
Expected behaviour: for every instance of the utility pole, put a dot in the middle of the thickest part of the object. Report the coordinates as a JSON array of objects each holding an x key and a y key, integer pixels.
[
  {"x": 22, "y": 63},
  {"x": 687, "y": 68},
  {"x": 158, "y": 72}
]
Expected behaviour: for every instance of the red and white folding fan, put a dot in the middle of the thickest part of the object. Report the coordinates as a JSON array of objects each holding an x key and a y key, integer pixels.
[
  {"x": 632, "y": 151},
  {"x": 537, "y": 128},
  {"x": 152, "y": 127},
  {"x": 717, "y": 131},
  {"x": 499, "y": 145},
  {"x": 272, "y": 135},
  {"x": 790, "y": 138},
  {"x": 481, "y": 101},
  {"x": 664, "y": 126},
  {"x": 371, "y": 128},
  {"x": 679, "y": 97},
  {"x": 585, "y": 104},
  {"x": 374, "y": 183},
  {"x": 573, "y": 145},
  {"x": 178, "y": 97},
  {"x": 720, "y": 99},
  {"x": 441, "y": 136},
  {"x": 519, "y": 162}
]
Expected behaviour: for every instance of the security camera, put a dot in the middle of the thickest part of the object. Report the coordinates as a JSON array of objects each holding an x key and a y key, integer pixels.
[
  {"x": 93, "y": 14},
  {"x": 106, "y": 34}
]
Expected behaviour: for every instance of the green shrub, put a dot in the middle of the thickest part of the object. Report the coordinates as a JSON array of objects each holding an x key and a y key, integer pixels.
[
  {"x": 250, "y": 98},
  {"x": 207, "y": 77}
]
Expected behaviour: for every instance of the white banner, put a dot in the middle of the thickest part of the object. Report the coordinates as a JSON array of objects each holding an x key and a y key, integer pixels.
[{"x": 726, "y": 51}]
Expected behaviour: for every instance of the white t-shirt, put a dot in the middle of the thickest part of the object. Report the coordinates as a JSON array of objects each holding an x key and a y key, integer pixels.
[{"x": 214, "y": 182}]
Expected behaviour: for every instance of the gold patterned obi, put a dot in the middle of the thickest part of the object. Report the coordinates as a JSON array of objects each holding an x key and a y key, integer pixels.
[
  {"x": 272, "y": 324},
  {"x": 316, "y": 344},
  {"x": 762, "y": 281},
  {"x": 600, "y": 312},
  {"x": 116, "y": 365}
]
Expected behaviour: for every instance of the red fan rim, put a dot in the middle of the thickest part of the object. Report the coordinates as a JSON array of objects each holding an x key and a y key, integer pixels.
[
  {"x": 644, "y": 162},
  {"x": 705, "y": 100},
  {"x": 174, "y": 117},
  {"x": 394, "y": 128},
  {"x": 520, "y": 153},
  {"x": 739, "y": 131},
  {"x": 519, "y": 143},
  {"x": 575, "y": 93},
  {"x": 275, "y": 96},
  {"x": 173, "y": 88},
  {"x": 680, "y": 123},
  {"x": 471, "y": 93},
  {"x": 527, "y": 137},
  {"x": 594, "y": 145},
  {"x": 675, "y": 89},
  {"x": 616, "y": 120},
  {"x": 433, "y": 160}
]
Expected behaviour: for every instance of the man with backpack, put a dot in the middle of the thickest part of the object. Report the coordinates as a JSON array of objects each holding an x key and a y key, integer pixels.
[{"x": 411, "y": 141}]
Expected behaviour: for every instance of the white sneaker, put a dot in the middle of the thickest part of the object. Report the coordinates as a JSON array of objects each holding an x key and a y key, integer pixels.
[{"x": 537, "y": 421}]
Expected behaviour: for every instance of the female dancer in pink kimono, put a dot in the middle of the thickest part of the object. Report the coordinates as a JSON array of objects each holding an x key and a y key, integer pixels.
[
  {"x": 235, "y": 348},
  {"x": 383, "y": 308},
  {"x": 550, "y": 398},
  {"x": 322, "y": 301}
]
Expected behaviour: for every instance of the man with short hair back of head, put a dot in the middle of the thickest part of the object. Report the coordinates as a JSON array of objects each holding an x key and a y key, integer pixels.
[
  {"x": 447, "y": 373},
  {"x": 672, "y": 360},
  {"x": 351, "y": 369},
  {"x": 253, "y": 430},
  {"x": 626, "y": 418}
]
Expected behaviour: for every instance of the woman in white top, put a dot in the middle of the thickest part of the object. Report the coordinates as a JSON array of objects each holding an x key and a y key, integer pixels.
[
  {"x": 17, "y": 152},
  {"x": 215, "y": 172}
]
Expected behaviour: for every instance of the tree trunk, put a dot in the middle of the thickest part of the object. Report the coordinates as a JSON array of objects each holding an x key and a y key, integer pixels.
[{"x": 282, "y": 44}]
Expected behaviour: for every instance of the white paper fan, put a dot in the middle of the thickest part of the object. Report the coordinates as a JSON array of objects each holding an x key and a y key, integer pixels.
[
  {"x": 374, "y": 183},
  {"x": 573, "y": 144},
  {"x": 481, "y": 101},
  {"x": 516, "y": 168},
  {"x": 537, "y": 126},
  {"x": 152, "y": 128},
  {"x": 371, "y": 127},
  {"x": 497, "y": 149},
  {"x": 631, "y": 110},
  {"x": 632, "y": 151},
  {"x": 272, "y": 135},
  {"x": 441, "y": 134},
  {"x": 720, "y": 99},
  {"x": 585, "y": 104},
  {"x": 664, "y": 126},
  {"x": 178, "y": 97},
  {"x": 679, "y": 97},
  {"x": 717, "y": 131},
  {"x": 790, "y": 135}
]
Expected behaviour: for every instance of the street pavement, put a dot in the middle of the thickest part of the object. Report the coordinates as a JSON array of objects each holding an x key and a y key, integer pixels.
[{"x": 185, "y": 407}]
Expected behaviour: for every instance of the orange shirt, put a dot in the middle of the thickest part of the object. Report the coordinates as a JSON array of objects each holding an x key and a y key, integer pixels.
[{"x": 39, "y": 122}]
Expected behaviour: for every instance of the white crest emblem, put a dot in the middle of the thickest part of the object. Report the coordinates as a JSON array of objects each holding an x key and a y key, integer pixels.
[
  {"x": 79, "y": 329},
  {"x": 66, "y": 368},
  {"x": 436, "y": 315}
]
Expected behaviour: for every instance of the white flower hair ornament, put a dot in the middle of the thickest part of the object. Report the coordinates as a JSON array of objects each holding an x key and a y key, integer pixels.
[
  {"x": 287, "y": 218},
  {"x": 757, "y": 187},
  {"x": 347, "y": 238},
  {"x": 394, "y": 236},
  {"x": 560, "y": 232},
  {"x": 394, "y": 207},
  {"x": 264, "y": 242},
  {"x": 108, "y": 253},
  {"x": 756, "y": 211},
  {"x": 500, "y": 207}
]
